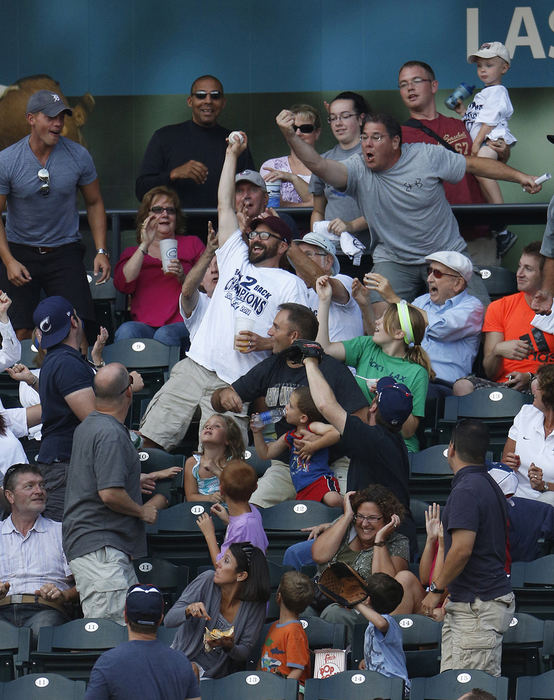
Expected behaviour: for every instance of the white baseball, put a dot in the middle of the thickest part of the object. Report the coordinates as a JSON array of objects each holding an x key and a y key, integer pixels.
[{"x": 236, "y": 136}]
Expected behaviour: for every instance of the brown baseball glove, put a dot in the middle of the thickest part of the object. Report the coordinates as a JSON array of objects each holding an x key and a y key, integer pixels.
[{"x": 343, "y": 585}]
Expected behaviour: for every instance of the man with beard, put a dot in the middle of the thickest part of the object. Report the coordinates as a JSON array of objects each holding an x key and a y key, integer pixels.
[{"x": 250, "y": 289}]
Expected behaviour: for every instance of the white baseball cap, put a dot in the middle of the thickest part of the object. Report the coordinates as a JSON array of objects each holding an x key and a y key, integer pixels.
[
  {"x": 455, "y": 261},
  {"x": 490, "y": 49}
]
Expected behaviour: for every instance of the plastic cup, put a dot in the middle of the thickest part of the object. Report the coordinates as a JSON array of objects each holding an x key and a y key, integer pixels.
[
  {"x": 274, "y": 191},
  {"x": 242, "y": 323},
  {"x": 321, "y": 227},
  {"x": 168, "y": 251}
]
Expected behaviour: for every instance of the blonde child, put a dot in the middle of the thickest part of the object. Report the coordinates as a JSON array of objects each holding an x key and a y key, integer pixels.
[
  {"x": 285, "y": 651},
  {"x": 237, "y": 483},
  {"x": 220, "y": 441},
  {"x": 309, "y": 465},
  {"x": 486, "y": 118}
]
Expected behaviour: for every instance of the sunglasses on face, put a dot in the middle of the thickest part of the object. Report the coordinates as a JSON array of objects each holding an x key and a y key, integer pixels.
[
  {"x": 202, "y": 94},
  {"x": 128, "y": 385},
  {"x": 168, "y": 210},
  {"x": 262, "y": 235},
  {"x": 304, "y": 128},
  {"x": 44, "y": 176},
  {"x": 437, "y": 274}
]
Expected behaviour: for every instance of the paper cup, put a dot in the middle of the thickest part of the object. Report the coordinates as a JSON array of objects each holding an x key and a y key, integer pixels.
[
  {"x": 242, "y": 323},
  {"x": 321, "y": 227},
  {"x": 168, "y": 251}
]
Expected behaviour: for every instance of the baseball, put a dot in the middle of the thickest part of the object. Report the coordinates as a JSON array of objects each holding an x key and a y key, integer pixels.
[{"x": 236, "y": 136}]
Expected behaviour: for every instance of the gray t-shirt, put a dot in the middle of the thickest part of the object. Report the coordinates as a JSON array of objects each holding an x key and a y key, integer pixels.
[
  {"x": 405, "y": 206},
  {"x": 44, "y": 220},
  {"x": 547, "y": 247},
  {"x": 339, "y": 205},
  {"x": 103, "y": 457}
]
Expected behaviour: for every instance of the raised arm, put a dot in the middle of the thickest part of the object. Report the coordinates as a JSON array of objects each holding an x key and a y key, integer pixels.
[
  {"x": 328, "y": 542},
  {"x": 189, "y": 290},
  {"x": 325, "y": 293},
  {"x": 332, "y": 171},
  {"x": 323, "y": 396},
  {"x": 228, "y": 222},
  {"x": 495, "y": 170}
]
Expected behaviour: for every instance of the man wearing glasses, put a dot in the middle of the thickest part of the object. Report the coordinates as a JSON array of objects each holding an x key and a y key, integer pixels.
[
  {"x": 250, "y": 289},
  {"x": 454, "y": 317},
  {"x": 188, "y": 157},
  {"x": 399, "y": 190},
  {"x": 418, "y": 87},
  {"x": 41, "y": 246}
]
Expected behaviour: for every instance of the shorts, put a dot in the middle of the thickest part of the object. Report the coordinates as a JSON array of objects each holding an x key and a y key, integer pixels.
[
  {"x": 318, "y": 488},
  {"x": 482, "y": 383},
  {"x": 60, "y": 271}
]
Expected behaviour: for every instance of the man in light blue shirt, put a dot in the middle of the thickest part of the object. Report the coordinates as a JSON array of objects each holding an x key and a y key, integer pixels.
[{"x": 454, "y": 317}]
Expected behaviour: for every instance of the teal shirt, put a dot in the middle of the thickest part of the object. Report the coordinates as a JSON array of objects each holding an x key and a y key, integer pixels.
[{"x": 371, "y": 362}]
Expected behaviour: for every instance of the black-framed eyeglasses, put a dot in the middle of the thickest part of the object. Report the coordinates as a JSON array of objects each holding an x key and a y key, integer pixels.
[
  {"x": 202, "y": 94},
  {"x": 128, "y": 385},
  {"x": 342, "y": 117},
  {"x": 359, "y": 518},
  {"x": 437, "y": 274},
  {"x": 262, "y": 235},
  {"x": 403, "y": 84},
  {"x": 168, "y": 210},
  {"x": 304, "y": 128},
  {"x": 44, "y": 176}
]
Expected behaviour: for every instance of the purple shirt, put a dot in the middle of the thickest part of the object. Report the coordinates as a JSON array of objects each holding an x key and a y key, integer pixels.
[{"x": 247, "y": 527}]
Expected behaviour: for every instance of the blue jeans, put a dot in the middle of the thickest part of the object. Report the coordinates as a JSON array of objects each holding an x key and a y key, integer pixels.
[
  {"x": 32, "y": 615},
  {"x": 172, "y": 334}
]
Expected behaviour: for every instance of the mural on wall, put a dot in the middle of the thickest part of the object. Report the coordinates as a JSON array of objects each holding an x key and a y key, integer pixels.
[{"x": 13, "y": 102}]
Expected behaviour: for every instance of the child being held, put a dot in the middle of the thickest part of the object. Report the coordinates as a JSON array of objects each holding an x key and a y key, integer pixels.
[
  {"x": 237, "y": 483},
  {"x": 309, "y": 465},
  {"x": 383, "y": 637},
  {"x": 220, "y": 441},
  {"x": 285, "y": 650},
  {"x": 486, "y": 118}
]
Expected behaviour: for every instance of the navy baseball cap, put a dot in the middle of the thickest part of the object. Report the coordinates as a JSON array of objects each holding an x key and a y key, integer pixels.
[
  {"x": 53, "y": 318},
  {"x": 144, "y": 604},
  {"x": 395, "y": 401},
  {"x": 47, "y": 102}
]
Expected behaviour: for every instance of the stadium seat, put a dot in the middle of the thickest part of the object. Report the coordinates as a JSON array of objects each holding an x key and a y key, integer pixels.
[
  {"x": 421, "y": 641},
  {"x": 526, "y": 648},
  {"x": 418, "y": 509},
  {"x": 72, "y": 649},
  {"x": 535, "y": 687},
  {"x": 152, "y": 460},
  {"x": 43, "y": 686},
  {"x": 14, "y": 650},
  {"x": 250, "y": 685},
  {"x": 354, "y": 685},
  {"x": 259, "y": 464},
  {"x": 533, "y": 585},
  {"x": 496, "y": 406},
  {"x": 499, "y": 281},
  {"x": 283, "y": 523},
  {"x": 169, "y": 578},
  {"x": 430, "y": 475},
  {"x": 104, "y": 301},
  {"x": 451, "y": 684}
]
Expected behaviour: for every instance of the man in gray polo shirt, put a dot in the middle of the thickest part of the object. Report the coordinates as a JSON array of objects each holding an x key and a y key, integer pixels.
[
  {"x": 103, "y": 525},
  {"x": 399, "y": 190},
  {"x": 41, "y": 245}
]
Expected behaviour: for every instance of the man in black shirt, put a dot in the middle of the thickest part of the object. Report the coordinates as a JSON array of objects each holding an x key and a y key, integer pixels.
[{"x": 189, "y": 156}]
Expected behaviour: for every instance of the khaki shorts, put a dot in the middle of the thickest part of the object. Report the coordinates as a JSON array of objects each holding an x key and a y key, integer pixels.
[
  {"x": 472, "y": 633},
  {"x": 102, "y": 578},
  {"x": 169, "y": 414}
]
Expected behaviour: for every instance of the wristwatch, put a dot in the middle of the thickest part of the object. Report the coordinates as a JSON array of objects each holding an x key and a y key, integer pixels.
[
  {"x": 433, "y": 588},
  {"x": 102, "y": 251}
]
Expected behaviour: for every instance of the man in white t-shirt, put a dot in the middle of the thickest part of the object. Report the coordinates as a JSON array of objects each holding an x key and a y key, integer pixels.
[
  {"x": 313, "y": 256},
  {"x": 251, "y": 287}
]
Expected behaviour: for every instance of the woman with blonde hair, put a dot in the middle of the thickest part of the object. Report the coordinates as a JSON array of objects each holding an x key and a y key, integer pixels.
[{"x": 394, "y": 350}]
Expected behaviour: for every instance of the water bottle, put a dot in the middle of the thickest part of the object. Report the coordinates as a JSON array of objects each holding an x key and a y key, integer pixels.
[
  {"x": 460, "y": 93},
  {"x": 274, "y": 415}
]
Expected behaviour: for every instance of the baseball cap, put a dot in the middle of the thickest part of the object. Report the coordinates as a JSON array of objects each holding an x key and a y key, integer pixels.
[
  {"x": 395, "y": 401},
  {"x": 53, "y": 317},
  {"x": 321, "y": 241},
  {"x": 252, "y": 176},
  {"x": 490, "y": 49},
  {"x": 276, "y": 224},
  {"x": 504, "y": 476},
  {"x": 144, "y": 604},
  {"x": 50, "y": 103},
  {"x": 550, "y": 137},
  {"x": 455, "y": 261}
]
